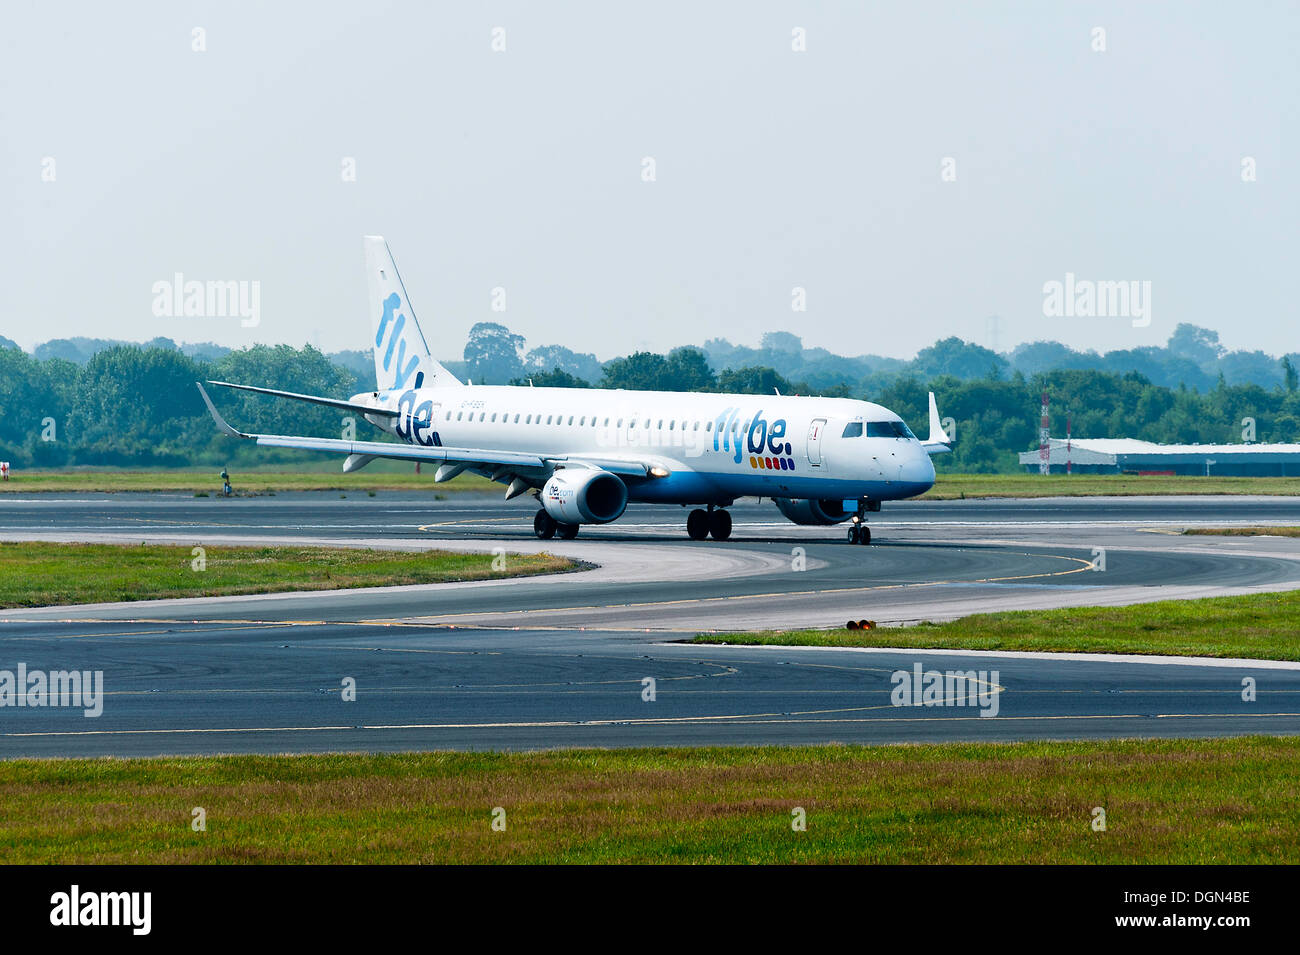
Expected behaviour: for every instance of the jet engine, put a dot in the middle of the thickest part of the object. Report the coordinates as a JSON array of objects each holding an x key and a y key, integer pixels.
[
  {"x": 812, "y": 511},
  {"x": 584, "y": 496}
]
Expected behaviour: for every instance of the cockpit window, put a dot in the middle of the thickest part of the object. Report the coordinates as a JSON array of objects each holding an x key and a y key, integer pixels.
[
  {"x": 852, "y": 430},
  {"x": 889, "y": 429}
]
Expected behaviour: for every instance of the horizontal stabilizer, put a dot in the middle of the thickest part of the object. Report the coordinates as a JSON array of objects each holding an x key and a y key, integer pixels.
[
  {"x": 360, "y": 453},
  {"x": 313, "y": 399}
]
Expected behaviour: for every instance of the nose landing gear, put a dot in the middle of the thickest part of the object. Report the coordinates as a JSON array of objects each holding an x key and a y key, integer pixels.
[{"x": 859, "y": 532}]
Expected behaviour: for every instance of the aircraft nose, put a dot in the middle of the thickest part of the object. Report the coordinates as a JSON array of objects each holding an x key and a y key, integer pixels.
[{"x": 919, "y": 469}]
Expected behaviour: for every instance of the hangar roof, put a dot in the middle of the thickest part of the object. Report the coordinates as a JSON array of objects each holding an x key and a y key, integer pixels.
[
  {"x": 1134, "y": 446},
  {"x": 1108, "y": 450}
]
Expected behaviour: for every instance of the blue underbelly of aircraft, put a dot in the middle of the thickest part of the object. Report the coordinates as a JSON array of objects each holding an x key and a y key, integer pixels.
[{"x": 703, "y": 487}]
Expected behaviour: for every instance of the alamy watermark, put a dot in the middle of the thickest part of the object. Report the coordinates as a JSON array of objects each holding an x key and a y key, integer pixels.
[
  {"x": 77, "y": 907},
  {"x": 1085, "y": 298},
  {"x": 918, "y": 687},
  {"x": 37, "y": 688},
  {"x": 232, "y": 298}
]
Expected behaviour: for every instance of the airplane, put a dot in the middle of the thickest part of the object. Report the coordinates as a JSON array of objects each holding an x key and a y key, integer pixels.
[{"x": 585, "y": 453}]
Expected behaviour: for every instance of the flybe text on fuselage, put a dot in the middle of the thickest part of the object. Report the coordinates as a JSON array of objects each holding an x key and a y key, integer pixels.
[
  {"x": 757, "y": 446},
  {"x": 415, "y": 420},
  {"x": 757, "y": 437},
  {"x": 760, "y": 438}
]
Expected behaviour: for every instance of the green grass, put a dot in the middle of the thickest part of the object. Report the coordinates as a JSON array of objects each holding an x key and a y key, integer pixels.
[
  {"x": 199, "y": 481},
  {"x": 950, "y": 486},
  {"x": 1246, "y": 531},
  {"x": 1256, "y": 626},
  {"x": 41, "y": 574},
  {"x": 1166, "y": 801}
]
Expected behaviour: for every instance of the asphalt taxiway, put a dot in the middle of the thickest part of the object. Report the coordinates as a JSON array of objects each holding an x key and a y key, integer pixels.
[{"x": 561, "y": 661}]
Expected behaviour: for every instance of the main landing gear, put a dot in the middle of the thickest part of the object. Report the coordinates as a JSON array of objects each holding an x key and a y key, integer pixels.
[
  {"x": 546, "y": 527},
  {"x": 859, "y": 532},
  {"x": 701, "y": 524}
]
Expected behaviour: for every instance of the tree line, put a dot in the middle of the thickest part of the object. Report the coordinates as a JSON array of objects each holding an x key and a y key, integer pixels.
[
  {"x": 129, "y": 405},
  {"x": 1192, "y": 357}
]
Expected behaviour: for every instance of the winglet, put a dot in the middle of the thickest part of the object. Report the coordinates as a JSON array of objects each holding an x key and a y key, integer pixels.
[
  {"x": 938, "y": 441},
  {"x": 216, "y": 415}
]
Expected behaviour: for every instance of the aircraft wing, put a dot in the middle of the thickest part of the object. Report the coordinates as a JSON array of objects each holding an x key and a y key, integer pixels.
[
  {"x": 938, "y": 442},
  {"x": 505, "y": 462},
  {"x": 629, "y": 466}
]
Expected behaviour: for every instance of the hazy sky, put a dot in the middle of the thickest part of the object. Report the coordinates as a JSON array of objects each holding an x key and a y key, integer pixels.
[{"x": 774, "y": 169}]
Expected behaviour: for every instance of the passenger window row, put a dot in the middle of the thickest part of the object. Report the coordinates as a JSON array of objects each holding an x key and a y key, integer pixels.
[
  {"x": 558, "y": 420},
  {"x": 854, "y": 429}
]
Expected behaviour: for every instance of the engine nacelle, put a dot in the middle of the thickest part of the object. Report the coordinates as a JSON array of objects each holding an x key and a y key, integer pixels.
[
  {"x": 812, "y": 511},
  {"x": 584, "y": 496}
]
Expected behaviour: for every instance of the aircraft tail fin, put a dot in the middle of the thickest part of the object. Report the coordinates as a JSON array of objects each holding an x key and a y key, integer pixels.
[
  {"x": 939, "y": 441},
  {"x": 402, "y": 358}
]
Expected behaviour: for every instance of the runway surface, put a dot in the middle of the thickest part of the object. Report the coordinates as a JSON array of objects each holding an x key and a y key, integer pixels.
[{"x": 561, "y": 661}]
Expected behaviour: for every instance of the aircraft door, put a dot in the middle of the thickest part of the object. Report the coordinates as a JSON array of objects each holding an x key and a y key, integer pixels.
[{"x": 815, "y": 441}]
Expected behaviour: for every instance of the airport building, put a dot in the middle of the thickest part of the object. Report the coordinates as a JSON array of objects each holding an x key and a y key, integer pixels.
[{"x": 1130, "y": 456}]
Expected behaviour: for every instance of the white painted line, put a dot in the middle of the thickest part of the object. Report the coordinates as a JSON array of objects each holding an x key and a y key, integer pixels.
[{"x": 1040, "y": 655}]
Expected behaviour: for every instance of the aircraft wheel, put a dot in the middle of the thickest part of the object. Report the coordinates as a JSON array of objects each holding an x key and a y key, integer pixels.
[
  {"x": 697, "y": 524},
  {"x": 544, "y": 525},
  {"x": 853, "y": 533},
  {"x": 720, "y": 525},
  {"x": 566, "y": 531},
  {"x": 859, "y": 534}
]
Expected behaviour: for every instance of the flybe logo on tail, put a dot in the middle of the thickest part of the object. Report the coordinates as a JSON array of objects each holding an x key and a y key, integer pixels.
[{"x": 403, "y": 369}]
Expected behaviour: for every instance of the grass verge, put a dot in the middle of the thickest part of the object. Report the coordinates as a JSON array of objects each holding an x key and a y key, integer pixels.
[
  {"x": 1166, "y": 801},
  {"x": 1255, "y": 626},
  {"x": 949, "y": 486},
  {"x": 44, "y": 574},
  {"x": 200, "y": 481},
  {"x": 1246, "y": 531}
]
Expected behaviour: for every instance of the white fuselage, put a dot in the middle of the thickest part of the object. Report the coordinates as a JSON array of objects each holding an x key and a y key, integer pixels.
[{"x": 715, "y": 447}]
